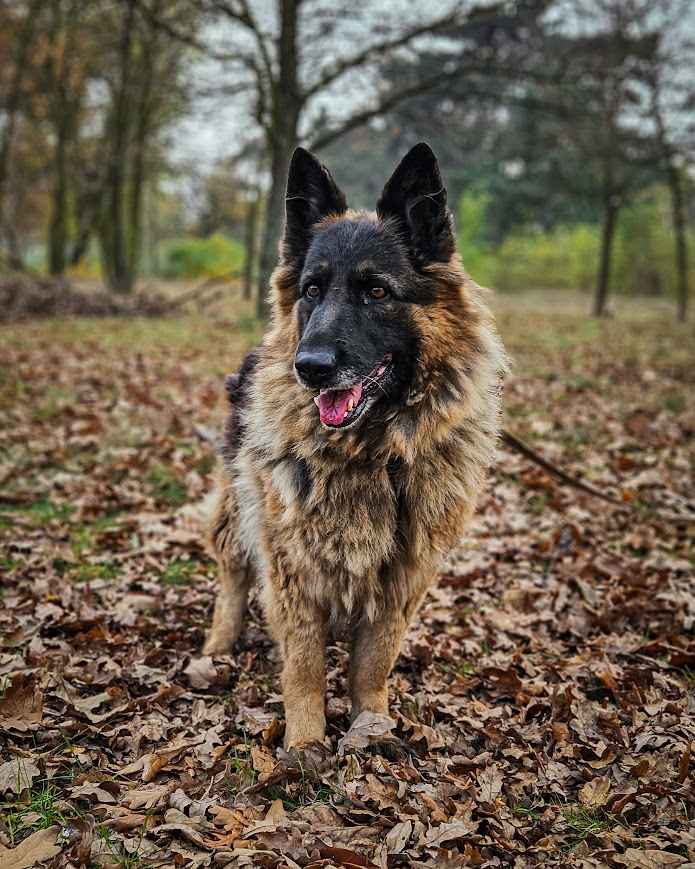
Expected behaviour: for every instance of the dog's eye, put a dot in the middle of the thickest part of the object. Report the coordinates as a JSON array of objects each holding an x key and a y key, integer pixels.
[
  {"x": 312, "y": 292},
  {"x": 377, "y": 293}
]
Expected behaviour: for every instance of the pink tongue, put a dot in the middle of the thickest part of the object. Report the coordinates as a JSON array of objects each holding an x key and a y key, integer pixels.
[{"x": 333, "y": 403}]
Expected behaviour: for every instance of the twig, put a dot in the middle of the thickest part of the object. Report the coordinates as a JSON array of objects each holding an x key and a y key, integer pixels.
[{"x": 517, "y": 444}]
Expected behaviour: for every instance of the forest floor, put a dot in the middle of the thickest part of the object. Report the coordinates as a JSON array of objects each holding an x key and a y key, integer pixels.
[{"x": 544, "y": 699}]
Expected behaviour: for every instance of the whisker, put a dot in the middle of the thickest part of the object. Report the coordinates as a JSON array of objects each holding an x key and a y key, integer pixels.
[{"x": 376, "y": 383}]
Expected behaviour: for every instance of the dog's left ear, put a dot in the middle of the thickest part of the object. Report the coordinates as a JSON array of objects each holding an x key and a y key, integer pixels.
[
  {"x": 415, "y": 196},
  {"x": 312, "y": 194}
]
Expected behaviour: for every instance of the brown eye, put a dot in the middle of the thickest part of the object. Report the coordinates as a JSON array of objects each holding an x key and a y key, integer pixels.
[
  {"x": 312, "y": 292},
  {"x": 377, "y": 293}
]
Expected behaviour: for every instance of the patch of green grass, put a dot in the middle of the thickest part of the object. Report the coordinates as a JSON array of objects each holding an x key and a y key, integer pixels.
[
  {"x": 462, "y": 668},
  {"x": 166, "y": 486},
  {"x": 301, "y": 793},
  {"x": 536, "y": 504},
  {"x": 531, "y": 812},
  {"x": 89, "y": 572},
  {"x": 53, "y": 404},
  {"x": 84, "y": 538},
  {"x": 119, "y": 855},
  {"x": 41, "y": 511},
  {"x": 43, "y": 808},
  {"x": 675, "y": 402},
  {"x": 179, "y": 572},
  {"x": 583, "y": 823},
  {"x": 242, "y": 775}
]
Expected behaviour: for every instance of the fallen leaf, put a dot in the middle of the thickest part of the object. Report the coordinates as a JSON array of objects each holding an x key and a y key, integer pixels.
[
  {"x": 367, "y": 728},
  {"x": 633, "y": 858},
  {"x": 21, "y": 704},
  {"x": 595, "y": 793},
  {"x": 450, "y": 832},
  {"x": 397, "y": 837},
  {"x": 35, "y": 849},
  {"x": 201, "y": 672},
  {"x": 17, "y": 774},
  {"x": 490, "y": 782}
]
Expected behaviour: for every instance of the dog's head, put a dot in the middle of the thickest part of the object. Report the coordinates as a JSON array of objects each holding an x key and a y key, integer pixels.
[{"x": 359, "y": 285}]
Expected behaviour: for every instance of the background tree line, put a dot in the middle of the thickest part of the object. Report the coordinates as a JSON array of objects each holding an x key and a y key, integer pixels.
[{"x": 563, "y": 126}]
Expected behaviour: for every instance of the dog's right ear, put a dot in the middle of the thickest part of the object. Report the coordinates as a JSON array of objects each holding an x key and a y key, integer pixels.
[{"x": 312, "y": 194}]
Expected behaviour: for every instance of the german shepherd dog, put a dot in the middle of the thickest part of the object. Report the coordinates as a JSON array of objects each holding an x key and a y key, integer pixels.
[{"x": 359, "y": 433}]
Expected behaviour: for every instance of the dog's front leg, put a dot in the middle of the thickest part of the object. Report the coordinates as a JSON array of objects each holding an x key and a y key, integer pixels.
[
  {"x": 300, "y": 629},
  {"x": 375, "y": 647}
]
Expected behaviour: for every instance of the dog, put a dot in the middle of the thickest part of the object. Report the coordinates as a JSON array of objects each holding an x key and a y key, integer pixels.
[{"x": 359, "y": 433}]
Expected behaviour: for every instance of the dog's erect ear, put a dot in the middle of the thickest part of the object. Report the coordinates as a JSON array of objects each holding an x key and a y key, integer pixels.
[
  {"x": 415, "y": 196},
  {"x": 311, "y": 195}
]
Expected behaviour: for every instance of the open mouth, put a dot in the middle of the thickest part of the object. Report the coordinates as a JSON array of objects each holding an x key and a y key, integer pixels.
[{"x": 339, "y": 408}]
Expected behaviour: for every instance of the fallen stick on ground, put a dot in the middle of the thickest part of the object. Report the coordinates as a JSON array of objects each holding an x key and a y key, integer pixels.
[{"x": 517, "y": 444}]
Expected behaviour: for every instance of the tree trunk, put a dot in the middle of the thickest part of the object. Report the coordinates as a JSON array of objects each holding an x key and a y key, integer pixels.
[
  {"x": 113, "y": 230},
  {"x": 14, "y": 97},
  {"x": 250, "y": 227},
  {"x": 58, "y": 229},
  {"x": 145, "y": 80},
  {"x": 675, "y": 183},
  {"x": 282, "y": 140},
  {"x": 604, "y": 273}
]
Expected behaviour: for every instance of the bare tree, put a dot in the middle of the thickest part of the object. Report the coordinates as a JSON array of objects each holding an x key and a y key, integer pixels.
[
  {"x": 304, "y": 85},
  {"x": 598, "y": 90},
  {"x": 145, "y": 89},
  {"x": 670, "y": 107},
  {"x": 11, "y": 101}
]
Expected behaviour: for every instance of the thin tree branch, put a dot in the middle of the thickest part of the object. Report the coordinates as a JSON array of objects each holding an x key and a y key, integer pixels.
[
  {"x": 378, "y": 48},
  {"x": 245, "y": 17}
]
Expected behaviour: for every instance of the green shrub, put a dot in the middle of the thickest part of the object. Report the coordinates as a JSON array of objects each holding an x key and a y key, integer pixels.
[
  {"x": 478, "y": 258},
  {"x": 565, "y": 258},
  {"x": 568, "y": 256},
  {"x": 214, "y": 256}
]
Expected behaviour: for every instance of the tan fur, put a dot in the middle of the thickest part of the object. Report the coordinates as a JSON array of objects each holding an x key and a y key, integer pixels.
[{"x": 358, "y": 549}]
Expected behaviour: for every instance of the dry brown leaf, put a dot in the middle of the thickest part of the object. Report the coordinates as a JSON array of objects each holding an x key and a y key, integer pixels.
[
  {"x": 33, "y": 850},
  {"x": 263, "y": 761},
  {"x": 398, "y": 836},
  {"x": 276, "y": 813},
  {"x": 490, "y": 782},
  {"x": 201, "y": 672},
  {"x": 146, "y": 798},
  {"x": 450, "y": 832},
  {"x": 595, "y": 793},
  {"x": 367, "y": 728},
  {"x": 21, "y": 704},
  {"x": 17, "y": 774},
  {"x": 634, "y": 858}
]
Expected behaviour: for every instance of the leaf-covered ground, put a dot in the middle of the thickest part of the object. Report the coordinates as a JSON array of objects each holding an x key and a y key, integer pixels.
[{"x": 544, "y": 700}]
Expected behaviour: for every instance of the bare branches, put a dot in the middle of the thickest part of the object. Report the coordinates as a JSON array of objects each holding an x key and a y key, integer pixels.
[
  {"x": 378, "y": 49},
  {"x": 241, "y": 13}
]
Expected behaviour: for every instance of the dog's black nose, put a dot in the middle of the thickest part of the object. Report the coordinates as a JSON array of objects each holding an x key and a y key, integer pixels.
[{"x": 316, "y": 367}]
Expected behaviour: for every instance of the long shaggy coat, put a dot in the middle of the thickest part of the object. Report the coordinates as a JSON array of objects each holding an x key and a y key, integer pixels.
[{"x": 345, "y": 530}]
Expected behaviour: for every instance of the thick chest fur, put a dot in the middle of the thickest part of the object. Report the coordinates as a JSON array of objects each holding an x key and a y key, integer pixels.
[{"x": 339, "y": 523}]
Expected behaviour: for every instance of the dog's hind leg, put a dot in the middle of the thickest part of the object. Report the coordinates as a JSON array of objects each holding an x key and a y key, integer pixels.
[{"x": 235, "y": 576}]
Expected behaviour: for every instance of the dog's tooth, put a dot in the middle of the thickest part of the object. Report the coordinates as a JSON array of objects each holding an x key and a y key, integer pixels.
[
  {"x": 350, "y": 405},
  {"x": 316, "y": 400}
]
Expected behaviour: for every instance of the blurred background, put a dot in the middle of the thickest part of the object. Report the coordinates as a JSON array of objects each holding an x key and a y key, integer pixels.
[{"x": 145, "y": 142}]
